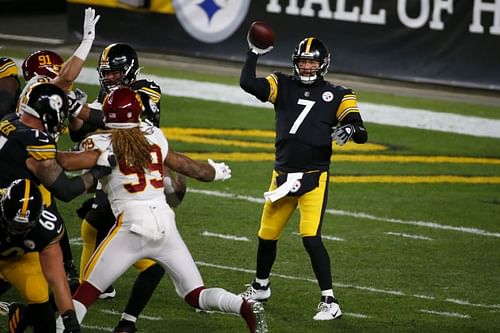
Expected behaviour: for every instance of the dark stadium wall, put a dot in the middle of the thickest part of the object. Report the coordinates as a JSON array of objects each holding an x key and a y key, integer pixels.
[{"x": 454, "y": 43}]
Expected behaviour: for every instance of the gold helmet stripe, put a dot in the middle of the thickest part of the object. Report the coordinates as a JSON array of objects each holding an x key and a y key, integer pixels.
[
  {"x": 308, "y": 46},
  {"x": 26, "y": 199},
  {"x": 105, "y": 52}
]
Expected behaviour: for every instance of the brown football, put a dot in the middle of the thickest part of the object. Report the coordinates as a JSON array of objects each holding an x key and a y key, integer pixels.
[{"x": 261, "y": 34}]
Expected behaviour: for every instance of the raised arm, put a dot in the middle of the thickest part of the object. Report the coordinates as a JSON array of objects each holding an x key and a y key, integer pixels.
[{"x": 73, "y": 66}]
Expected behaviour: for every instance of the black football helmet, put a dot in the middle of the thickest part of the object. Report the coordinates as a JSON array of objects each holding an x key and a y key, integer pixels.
[
  {"x": 21, "y": 206},
  {"x": 48, "y": 103},
  {"x": 122, "y": 108},
  {"x": 313, "y": 49},
  {"x": 118, "y": 57}
]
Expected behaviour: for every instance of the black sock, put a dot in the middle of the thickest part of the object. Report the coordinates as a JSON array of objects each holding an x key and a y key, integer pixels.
[
  {"x": 143, "y": 288},
  {"x": 266, "y": 254},
  {"x": 42, "y": 317}
]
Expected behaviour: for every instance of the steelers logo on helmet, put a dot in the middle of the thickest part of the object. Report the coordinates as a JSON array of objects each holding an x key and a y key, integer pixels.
[
  {"x": 48, "y": 103},
  {"x": 211, "y": 21}
]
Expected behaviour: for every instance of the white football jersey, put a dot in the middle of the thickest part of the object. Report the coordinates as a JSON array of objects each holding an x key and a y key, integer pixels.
[
  {"x": 27, "y": 87},
  {"x": 127, "y": 184}
]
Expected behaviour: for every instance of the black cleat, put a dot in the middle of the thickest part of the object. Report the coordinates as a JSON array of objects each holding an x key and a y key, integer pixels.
[{"x": 125, "y": 326}]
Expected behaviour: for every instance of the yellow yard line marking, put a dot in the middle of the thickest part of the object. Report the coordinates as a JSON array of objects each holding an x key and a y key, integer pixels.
[
  {"x": 376, "y": 158},
  {"x": 417, "y": 179},
  {"x": 213, "y": 136},
  {"x": 250, "y": 139}
]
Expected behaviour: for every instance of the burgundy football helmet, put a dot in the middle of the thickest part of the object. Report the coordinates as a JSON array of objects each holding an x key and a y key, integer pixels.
[
  {"x": 43, "y": 62},
  {"x": 122, "y": 108}
]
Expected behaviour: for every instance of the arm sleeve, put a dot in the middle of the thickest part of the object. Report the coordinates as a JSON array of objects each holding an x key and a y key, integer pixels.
[
  {"x": 65, "y": 188},
  {"x": 96, "y": 121},
  {"x": 259, "y": 87},
  {"x": 360, "y": 133}
]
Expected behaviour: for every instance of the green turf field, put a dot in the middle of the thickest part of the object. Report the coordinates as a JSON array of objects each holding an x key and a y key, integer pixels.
[{"x": 412, "y": 228}]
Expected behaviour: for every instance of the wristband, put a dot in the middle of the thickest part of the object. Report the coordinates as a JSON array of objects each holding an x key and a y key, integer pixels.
[{"x": 83, "y": 50}]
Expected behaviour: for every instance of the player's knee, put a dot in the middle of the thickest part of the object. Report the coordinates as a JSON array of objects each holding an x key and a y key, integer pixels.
[
  {"x": 312, "y": 243},
  {"x": 193, "y": 297},
  {"x": 266, "y": 244}
]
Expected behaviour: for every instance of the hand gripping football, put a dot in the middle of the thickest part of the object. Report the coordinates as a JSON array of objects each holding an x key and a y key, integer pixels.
[{"x": 261, "y": 35}]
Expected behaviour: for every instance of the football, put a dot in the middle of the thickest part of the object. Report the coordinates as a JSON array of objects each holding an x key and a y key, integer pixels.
[{"x": 261, "y": 34}]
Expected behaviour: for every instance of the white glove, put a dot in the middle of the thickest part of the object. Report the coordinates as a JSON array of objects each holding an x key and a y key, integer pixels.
[
  {"x": 257, "y": 50},
  {"x": 89, "y": 24},
  {"x": 77, "y": 100},
  {"x": 222, "y": 171},
  {"x": 342, "y": 134}
]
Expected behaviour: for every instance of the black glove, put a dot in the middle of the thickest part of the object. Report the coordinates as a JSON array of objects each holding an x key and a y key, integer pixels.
[
  {"x": 85, "y": 208},
  {"x": 76, "y": 99},
  {"x": 100, "y": 171},
  {"x": 71, "y": 324},
  {"x": 342, "y": 134}
]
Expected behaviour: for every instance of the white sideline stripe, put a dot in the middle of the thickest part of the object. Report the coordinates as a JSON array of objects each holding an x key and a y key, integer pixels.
[
  {"x": 360, "y": 215},
  {"x": 230, "y": 237},
  {"x": 98, "y": 328},
  {"x": 332, "y": 238},
  {"x": 374, "y": 113},
  {"x": 343, "y": 285},
  {"x": 407, "y": 235},
  {"x": 446, "y": 314},
  {"x": 117, "y": 313},
  {"x": 52, "y": 41}
]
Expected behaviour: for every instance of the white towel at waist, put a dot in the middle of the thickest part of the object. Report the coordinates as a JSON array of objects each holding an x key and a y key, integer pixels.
[{"x": 283, "y": 190}]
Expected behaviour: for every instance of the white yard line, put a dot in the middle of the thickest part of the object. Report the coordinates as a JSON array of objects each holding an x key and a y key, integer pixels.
[
  {"x": 327, "y": 237},
  {"x": 343, "y": 285},
  {"x": 446, "y": 314},
  {"x": 360, "y": 215},
  {"x": 117, "y": 313},
  {"x": 407, "y": 235},
  {"x": 374, "y": 113},
  {"x": 98, "y": 328},
  {"x": 229, "y": 237}
]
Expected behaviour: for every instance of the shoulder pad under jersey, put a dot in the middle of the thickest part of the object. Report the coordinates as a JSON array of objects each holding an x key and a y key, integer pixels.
[{"x": 99, "y": 141}]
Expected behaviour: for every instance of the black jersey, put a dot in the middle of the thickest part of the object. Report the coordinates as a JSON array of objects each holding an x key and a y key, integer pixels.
[
  {"x": 48, "y": 230},
  {"x": 18, "y": 142},
  {"x": 305, "y": 115},
  {"x": 8, "y": 69}
]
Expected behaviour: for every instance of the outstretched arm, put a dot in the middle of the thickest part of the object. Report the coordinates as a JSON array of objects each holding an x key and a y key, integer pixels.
[
  {"x": 205, "y": 172},
  {"x": 52, "y": 176}
]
